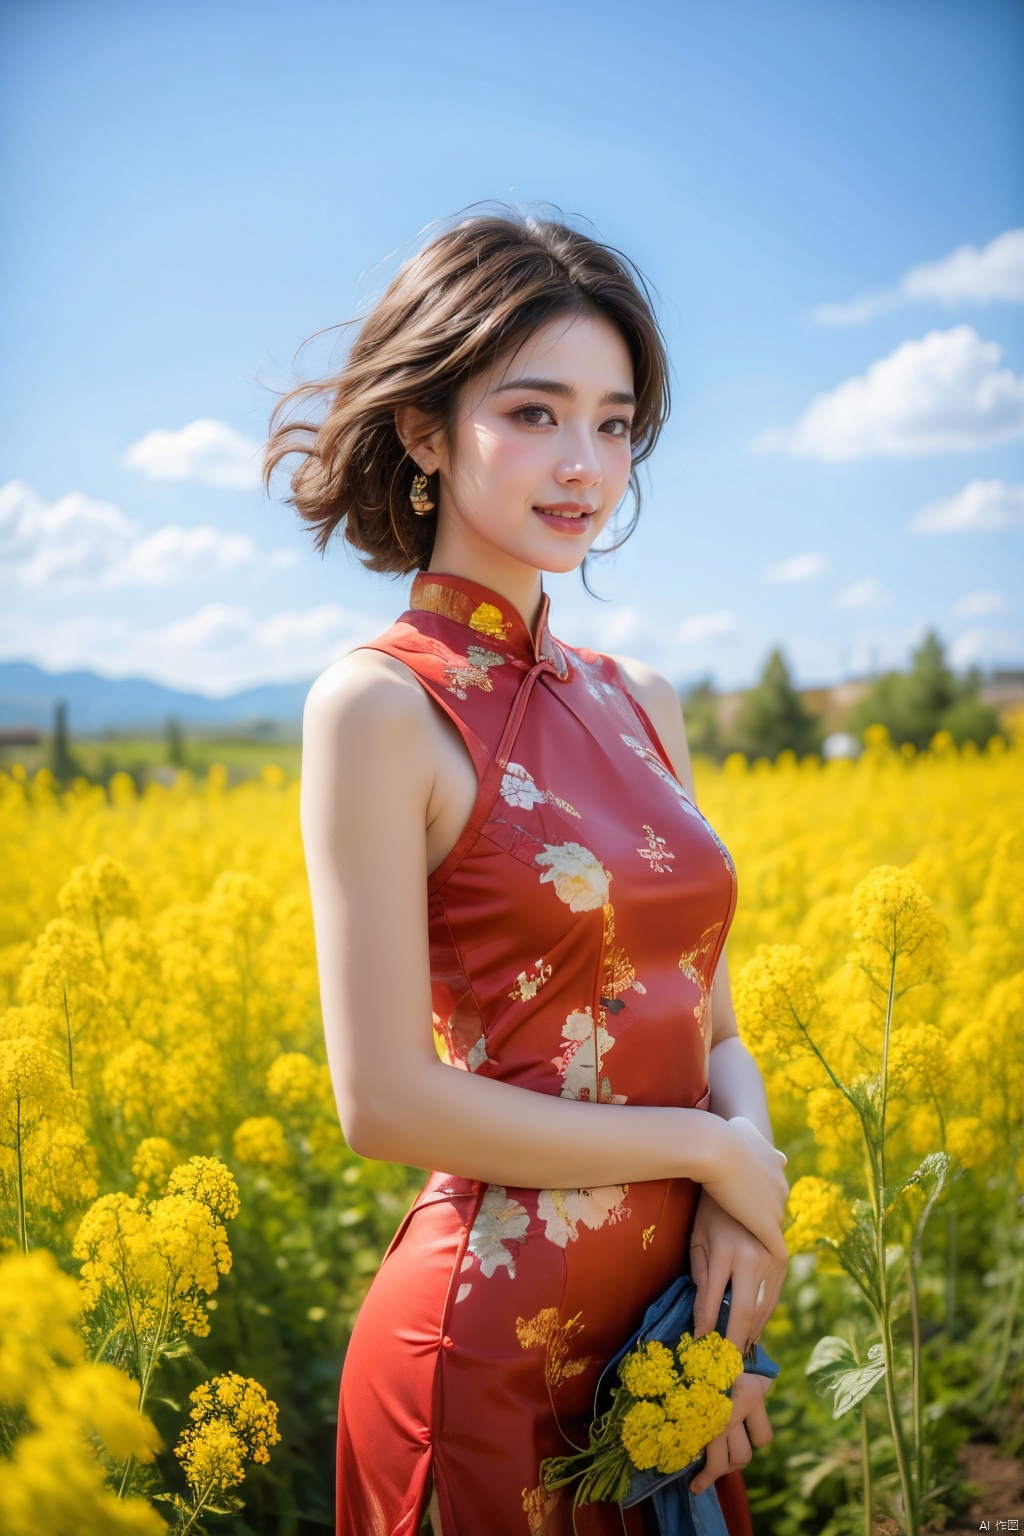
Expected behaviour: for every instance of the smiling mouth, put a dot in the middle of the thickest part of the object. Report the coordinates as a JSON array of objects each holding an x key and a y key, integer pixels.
[{"x": 566, "y": 512}]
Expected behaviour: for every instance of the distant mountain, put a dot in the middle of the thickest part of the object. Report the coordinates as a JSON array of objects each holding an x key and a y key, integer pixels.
[{"x": 28, "y": 695}]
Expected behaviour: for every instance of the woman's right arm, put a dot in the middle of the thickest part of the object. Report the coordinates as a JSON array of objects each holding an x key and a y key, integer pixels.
[{"x": 367, "y": 792}]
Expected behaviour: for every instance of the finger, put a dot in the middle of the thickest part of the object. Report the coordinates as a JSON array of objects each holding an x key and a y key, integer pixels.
[
  {"x": 700, "y": 1267},
  {"x": 740, "y": 1449},
  {"x": 717, "y": 1463},
  {"x": 746, "y": 1279},
  {"x": 708, "y": 1302},
  {"x": 774, "y": 1280},
  {"x": 756, "y": 1423}
]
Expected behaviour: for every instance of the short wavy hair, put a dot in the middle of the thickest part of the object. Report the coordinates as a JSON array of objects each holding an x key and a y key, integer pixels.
[{"x": 472, "y": 293}]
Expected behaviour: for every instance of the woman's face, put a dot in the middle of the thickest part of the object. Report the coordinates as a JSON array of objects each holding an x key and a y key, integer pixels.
[{"x": 542, "y": 449}]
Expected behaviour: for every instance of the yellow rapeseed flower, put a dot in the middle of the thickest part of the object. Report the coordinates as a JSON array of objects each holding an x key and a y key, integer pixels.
[
  {"x": 711, "y": 1359},
  {"x": 640, "y": 1429},
  {"x": 233, "y": 1420},
  {"x": 648, "y": 1370},
  {"x": 776, "y": 998},
  {"x": 820, "y": 1213},
  {"x": 209, "y": 1181},
  {"x": 100, "y": 890},
  {"x": 896, "y": 935},
  {"x": 151, "y": 1164},
  {"x": 260, "y": 1141}
]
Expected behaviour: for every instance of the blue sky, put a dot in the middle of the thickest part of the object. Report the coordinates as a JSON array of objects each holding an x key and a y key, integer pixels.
[{"x": 828, "y": 196}]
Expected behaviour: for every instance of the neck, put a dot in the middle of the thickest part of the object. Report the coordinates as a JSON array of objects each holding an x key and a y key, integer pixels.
[{"x": 483, "y": 562}]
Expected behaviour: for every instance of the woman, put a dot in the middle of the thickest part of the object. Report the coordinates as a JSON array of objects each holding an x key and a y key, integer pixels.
[{"x": 500, "y": 831}]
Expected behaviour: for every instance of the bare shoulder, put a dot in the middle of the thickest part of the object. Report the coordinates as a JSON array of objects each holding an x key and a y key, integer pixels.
[
  {"x": 366, "y": 719},
  {"x": 657, "y": 697},
  {"x": 365, "y": 690}
]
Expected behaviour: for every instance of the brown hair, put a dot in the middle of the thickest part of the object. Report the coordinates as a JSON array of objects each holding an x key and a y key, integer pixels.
[{"x": 477, "y": 289}]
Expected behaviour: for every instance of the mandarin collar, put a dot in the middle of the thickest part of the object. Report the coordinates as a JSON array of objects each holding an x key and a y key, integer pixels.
[{"x": 481, "y": 608}]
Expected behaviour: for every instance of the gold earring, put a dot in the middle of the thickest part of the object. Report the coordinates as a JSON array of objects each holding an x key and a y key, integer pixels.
[{"x": 421, "y": 504}]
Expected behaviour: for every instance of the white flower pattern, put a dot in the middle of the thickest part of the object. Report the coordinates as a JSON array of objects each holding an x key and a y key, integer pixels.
[
  {"x": 499, "y": 1221},
  {"x": 564, "y": 1211},
  {"x": 580, "y": 880},
  {"x": 519, "y": 789},
  {"x": 581, "y": 1064}
]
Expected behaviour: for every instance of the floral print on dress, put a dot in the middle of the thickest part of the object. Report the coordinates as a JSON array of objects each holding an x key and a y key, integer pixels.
[
  {"x": 528, "y": 985},
  {"x": 499, "y": 1221},
  {"x": 472, "y": 671},
  {"x": 586, "y": 1042},
  {"x": 654, "y": 762},
  {"x": 547, "y": 1332},
  {"x": 487, "y": 620},
  {"x": 537, "y": 1505},
  {"x": 477, "y": 1054},
  {"x": 657, "y": 855},
  {"x": 690, "y": 967},
  {"x": 564, "y": 1211},
  {"x": 518, "y": 789},
  {"x": 618, "y": 974},
  {"x": 580, "y": 879}
]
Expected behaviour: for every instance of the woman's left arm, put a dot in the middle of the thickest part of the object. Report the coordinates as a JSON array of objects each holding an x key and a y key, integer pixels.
[{"x": 721, "y": 1248}]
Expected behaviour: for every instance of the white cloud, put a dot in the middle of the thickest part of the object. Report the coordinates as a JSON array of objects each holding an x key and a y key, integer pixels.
[
  {"x": 79, "y": 544},
  {"x": 205, "y": 450},
  {"x": 942, "y": 394},
  {"x": 217, "y": 650},
  {"x": 982, "y": 506},
  {"x": 987, "y": 648},
  {"x": 974, "y": 605},
  {"x": 707, "y": 626},
  {"x": 966, "y": 274},
  {"x": 866, "y": 593},
  {"x": 678, "y": 649},
  {"x": 797, "y": 568}
]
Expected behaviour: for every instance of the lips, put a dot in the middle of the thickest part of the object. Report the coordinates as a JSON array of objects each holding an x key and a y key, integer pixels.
[{"x": 568, "y": 517}]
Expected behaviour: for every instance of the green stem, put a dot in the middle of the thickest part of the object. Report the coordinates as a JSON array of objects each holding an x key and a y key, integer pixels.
[
  {"x": 951, "y": 1241},
  {"x": 67, "y": 1023},
  {"x": 865, "y": 1463},
  {"x": 193, "y": 1517},
  {"x": 914, "y": 1259},
  {"x": 907, "y": 1484},
  {"x": 153, "y": 1356},
  {"x": 1009, "y": 1322},
  {"x": 131, "y": 1319}
]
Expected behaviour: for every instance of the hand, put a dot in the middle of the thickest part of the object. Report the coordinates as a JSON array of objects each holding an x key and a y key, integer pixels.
[
  {"x": 748, "y": 1181},
  {"x": 747, "y": 1427},
  {"x": 722, "y": 1248}
]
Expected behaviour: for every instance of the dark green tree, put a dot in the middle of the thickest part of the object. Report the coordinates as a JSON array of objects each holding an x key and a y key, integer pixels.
[
  {"x": 913, "y": 705},
  {"x": 700, "y": 716},
  {"x": 772, "y": 716},
  {"x": 63, "y": 763},
  {"x": 175, "y": 742}
]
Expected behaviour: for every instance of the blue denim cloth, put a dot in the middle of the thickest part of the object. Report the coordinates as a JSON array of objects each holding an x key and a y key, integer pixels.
[{"x": 678, "y": 1511}]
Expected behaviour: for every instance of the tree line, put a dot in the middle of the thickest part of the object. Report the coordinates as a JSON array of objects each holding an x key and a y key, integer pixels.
[{"x": 913, "y": 705}]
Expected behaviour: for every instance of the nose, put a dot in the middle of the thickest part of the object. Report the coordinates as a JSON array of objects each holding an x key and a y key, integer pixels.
[{"x": 580, "y": 464}]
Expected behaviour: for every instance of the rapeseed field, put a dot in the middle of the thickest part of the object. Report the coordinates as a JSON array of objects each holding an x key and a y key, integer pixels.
[{"x": 185, "y": 1237}]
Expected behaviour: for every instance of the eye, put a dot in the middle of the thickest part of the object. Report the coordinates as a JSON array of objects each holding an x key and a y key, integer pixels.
[
  {"x": 621, "y": 426},
  {"x": 529, "y": 414}
]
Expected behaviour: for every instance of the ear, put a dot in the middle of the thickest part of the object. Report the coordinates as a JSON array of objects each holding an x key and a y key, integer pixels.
[{"x": 419, "y": 436}]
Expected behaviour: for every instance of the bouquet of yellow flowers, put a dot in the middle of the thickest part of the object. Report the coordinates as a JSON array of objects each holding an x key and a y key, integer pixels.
[{"x": 659, "y": 1403}]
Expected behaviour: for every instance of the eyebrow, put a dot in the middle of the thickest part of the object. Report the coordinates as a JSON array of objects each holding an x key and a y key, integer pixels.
[{"x": 566, "y": 391}]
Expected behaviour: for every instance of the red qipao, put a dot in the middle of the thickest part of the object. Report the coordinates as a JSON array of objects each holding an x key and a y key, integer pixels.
[{"x": 574, "y": 933}]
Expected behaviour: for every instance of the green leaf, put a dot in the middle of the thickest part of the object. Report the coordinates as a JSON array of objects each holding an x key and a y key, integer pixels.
[
  {"x": 829, "y": 1355},
  {"x": 851, "y": 1387}
]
